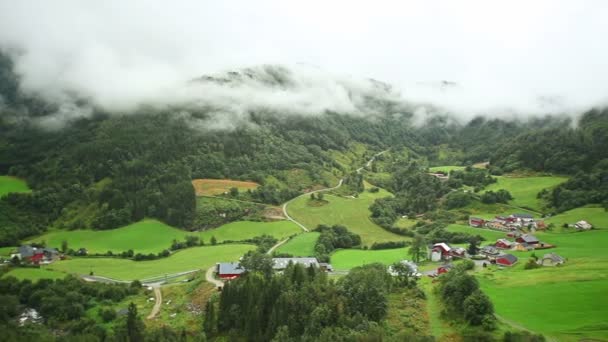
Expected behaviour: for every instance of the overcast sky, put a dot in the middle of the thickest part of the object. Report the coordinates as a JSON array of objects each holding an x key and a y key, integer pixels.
[{"x": 505, "y": 56}]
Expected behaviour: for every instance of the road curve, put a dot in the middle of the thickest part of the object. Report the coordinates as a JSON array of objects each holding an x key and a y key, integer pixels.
[
  {"x": 159, "y": 301},
  {"x": 209, "y": 277},
  {"x": 369, "y": 162},
  {"x": 276, "y": 246}
]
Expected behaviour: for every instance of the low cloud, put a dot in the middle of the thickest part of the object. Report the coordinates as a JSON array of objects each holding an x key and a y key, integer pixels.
[{"x": 513, "y": 59}]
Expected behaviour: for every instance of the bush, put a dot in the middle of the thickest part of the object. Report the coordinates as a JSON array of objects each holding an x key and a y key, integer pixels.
[
  {"x": 531, "y": 264},
  {"x": 107, "y": 315},
  {"x": 389, "y": 245}
]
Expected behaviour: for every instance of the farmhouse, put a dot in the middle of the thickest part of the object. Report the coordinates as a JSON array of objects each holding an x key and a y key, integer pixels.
[
  {"x": 506, "y": 260},
  {"x": 503, "y": 244},
  {"x": 551, "y": 259},
  {"x": 489, "y": 251},
  {"x": 527, "y": 238},
  {"x": 476, "y": 222},
  {"x": 229, "y": 270},
  {"x": 440, "y": 251},
  {"x": 280, "y": 264},
  {"x": 30, "y": 254},
  {"x": 521, "y": 247},
  {"x": 582, "y": 225}
]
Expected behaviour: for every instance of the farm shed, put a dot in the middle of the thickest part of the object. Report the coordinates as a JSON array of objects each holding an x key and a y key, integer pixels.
[
  {"x": 551, "y": 259},
  {"x": 229, "y": 270},
  {"x": 506, "y": 260}
]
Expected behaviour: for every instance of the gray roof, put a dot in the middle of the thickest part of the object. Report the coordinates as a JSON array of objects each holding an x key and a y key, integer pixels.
[
  {"x": 230, "y": 268},
  {"x": 519, "y": 215},
  {"x": 26, "y": 251},
  {"x": 281, "y": 263},
  {"x": 510, "y": 257},
  {"x": 554, "y": 257},
  {"x": 529, "y": 238}
]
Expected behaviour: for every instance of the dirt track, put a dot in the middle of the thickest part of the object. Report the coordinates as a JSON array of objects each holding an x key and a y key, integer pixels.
[{"x": 159, "y": 301}]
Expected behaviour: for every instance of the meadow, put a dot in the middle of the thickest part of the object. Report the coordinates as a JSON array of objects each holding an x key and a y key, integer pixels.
[
  {"x": 568, "y": 302},
  {"x": 345, "y": 259},
  {"x": 302, "y": 245},
  {"x": 489, "y": 211},
  {"x": 10, "y": 184},
  {"x": 212, "y": 187},
  {"x": 152, "y": 236},
  {"x": 350, "y": 212},
  {"x": 595, "y": 215},
  {"x": 34, "y": 274},
  {"x": 183, "y": 260},
  {"x": 446, "y": 168},
  {"x": 6, "y": 251},
  {"x": 525, "y": 189},
  {"x": 489, "y": 235}
]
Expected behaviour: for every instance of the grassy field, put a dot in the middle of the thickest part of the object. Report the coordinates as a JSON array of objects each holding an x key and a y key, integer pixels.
[
  {"x": 345, "y": 259},
  {"x": 489, "y": 211},
  {"x": 568, "y": 302},
  {"x": 151, "y": 236},
  {"x": 597, "y": 216},
  {"x": 6, "y": 251},
  {"x": 302, "y": 245},
  {"x": 210, "y": 187},
  {"x": 489, "y": 235},
  {"x": 243, "y": 230},
  {"x": 34, "y": 274},
  {"x": 351, "y": 212},
  {"x": 525, "y": 189},
  {"x": 446, "y": 168},
  {"x": 10, "y": 184},
  {"x": 184, "y": 260}
]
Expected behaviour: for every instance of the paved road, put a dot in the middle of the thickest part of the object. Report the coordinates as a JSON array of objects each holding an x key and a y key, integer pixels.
[
  {"x": 209, "y": 277},
  {"x": 159, "y": 301},
  {"x": 369, "y": 162}
]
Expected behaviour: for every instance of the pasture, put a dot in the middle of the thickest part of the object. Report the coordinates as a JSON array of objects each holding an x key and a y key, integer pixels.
[
  {"x": 595, "y": 215},
  {"x": 489, "y": 235},
  {"x": 152, "y": 236},
  {"x": 345, "y": 259},
  {"x": 350, "y": 212},
  {"x": 10, "y": 184},
  {"x": 525, "y": 189},
  {"x": 6, "y": 251},
  {"x": 212, "y": 187},
  {"x": 566, "y": 302},
  {"x": 302, "y": 245},
  {"x": 34, "y": 274},
  {"x": 183, "y": 260}
]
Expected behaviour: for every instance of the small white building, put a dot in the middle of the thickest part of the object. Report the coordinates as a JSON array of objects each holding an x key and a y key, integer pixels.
[{"x": 583, "y": 225}]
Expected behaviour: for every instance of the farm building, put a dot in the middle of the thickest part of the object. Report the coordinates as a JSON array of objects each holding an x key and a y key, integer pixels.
[
  {"x": 326, "y": 267},
  {"x": 582, "y": 225},
  {"x": 440, "y": 251},
  {"x": 444, "y": 269},
  {"x": 551, "y": 259},
  {"x": 527, "y": 238},
  {"x": 525, "y": 218},
  {"x": 282, "y": 263},
  {"x": 489, "y": 251},
  {"x": 458, "y": 252},
  {"x": 506, "y": 260},
  {"x": 476, "y": 222},
  {"x": 521, "y": 247},
  {"x": 229, "y": 270},
  {"x": 27, "y": 253},
  {"x": 503, "y": 244}
]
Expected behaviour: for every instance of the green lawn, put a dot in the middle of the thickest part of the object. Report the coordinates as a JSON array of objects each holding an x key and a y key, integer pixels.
[
  {"x": 345, "y": 259},
  {"x": 489, "y": 235},
  {"x": 569, "y": 302},
  {"x": 243, "y": 230},
  {"x": 10, "y": 184},
  {"x": 351, "y": 212},
  {"x": 6, "y": 251},
  {"x": 151, "y": 236},
  {"x": 302, "y": 245},
  {"x": 34, "y": 274},
  {"x": 525, "y": 189},
  {"x": 597, "y": 216},
  {"x": 184, "y": 260},
  {"x": 446, "y": 168}
]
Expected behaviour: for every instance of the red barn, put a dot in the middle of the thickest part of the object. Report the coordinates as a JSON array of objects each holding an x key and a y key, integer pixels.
[
  {"x": 527, "y": 238},
  {"x": 503, "y": 244},
  {"x": 506, "y": 260},
  {"x": 229, "y": 270},
  {"x": 440, "y": 251},
  {"x": 476, "y": 222}
]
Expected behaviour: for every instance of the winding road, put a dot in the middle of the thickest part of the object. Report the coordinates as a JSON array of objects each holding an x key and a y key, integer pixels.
[
  {"x": 286, "y": 214},
  {"x": 209, "y": 277}
]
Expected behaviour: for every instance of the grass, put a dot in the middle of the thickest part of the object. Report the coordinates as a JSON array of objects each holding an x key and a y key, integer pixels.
[
  {"x": 151, "y": 236},
  {"x": 6, "y": 251},
  {"x": 567, "y": 302},
  {"x": 302, "y": 245},
  {"x": 350, "y": 212},
  {"x": 34, "y": 274},
  {"x": 525, "y": 189},
  {"x": 489, "y": 235},
  {"x": 243, "y": 230},
  {"x": 489, "y": 211},
  {"x": 446, "y": 168},
  {"x": 345, "y": 259},
  {"x": 184, "y": 260},
  {"x": 211, "y": 187},
  {"x": 10, "y": 184},
  {"x": 597, "y": 216}
]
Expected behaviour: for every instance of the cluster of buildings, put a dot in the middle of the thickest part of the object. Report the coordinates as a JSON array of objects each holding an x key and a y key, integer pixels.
[
  {"x": 36, "y": 255},
  {"x": 513, "y": 222},
  {"x": 233, "y": 270}
]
